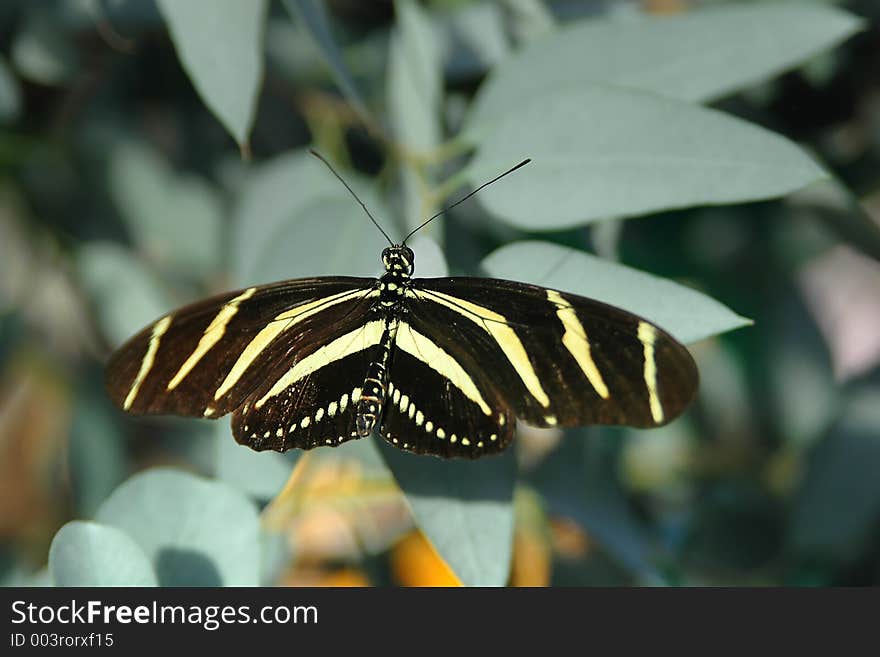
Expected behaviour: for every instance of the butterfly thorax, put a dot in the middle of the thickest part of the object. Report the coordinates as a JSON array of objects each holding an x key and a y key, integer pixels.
[{"x": 398, "y": 262}]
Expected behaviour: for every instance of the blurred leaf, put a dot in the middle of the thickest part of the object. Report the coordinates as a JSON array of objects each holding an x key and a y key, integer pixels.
[
  {"x": 833, "y": 204},
  {"x": 313, "y": 14},
  {"x": 10, "y": 94},
  {"x": 318, "y": 230},
  {"x": 89, "y": 554},
  {"x": 183, "y": 523},
  {"x": 464, "y": 508},
  {"x": 529, "y": 19},
  {"x": 97, "y": 458},
  {"x": 798, "y": 374},
  {"x": 175, "y": 218},
  {"x": 578, "y": 482},
  {"x": 599, "y": 152},
  {"x": 838, "y": 508},
  {"x": 695, "y": 56},
  {"x": 261, "y": 475},
  {"x": 472, "y": 39},
  {"x": 275, "y": 557},
  {"x": 430, "y": 261},
  {"x": 657, "y": 459},
  {"x": 687, "y": 314},
  {"x": 220, "y": 45},
  {"x": 331, "y": 238},
  {"x": 414, "y": 100},
  {"x": 125, "y": 294},
  {"x": 42, "y": 51}
]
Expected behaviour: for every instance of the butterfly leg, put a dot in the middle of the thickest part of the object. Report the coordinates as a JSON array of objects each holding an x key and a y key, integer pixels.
[{"x": 369, "y": 408}]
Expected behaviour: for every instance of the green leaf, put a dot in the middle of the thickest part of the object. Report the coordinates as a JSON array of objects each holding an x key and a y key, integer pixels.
[
  {"x": 578, "y": 481},
  {"x": 430, "y": 261},
  {"x": 42, "y": 51},
  {"x": 836, "y": 511},
  {"x": 528, "y": 19},
  {"x": 414, "y": 98},
  {"x": 313, "y": 14},
  {"x": 89, "y": 554},
  {"x": 294, "y": 219},
  {"x": 96, "y": 455},
  {"x": 175, "y": 218},
  {"x": 10, "y": 94},
  {"x": 124, "y": 292},
  {"x": 260, "y": 475},
  {"x": 687, "y": 314},
  {"x": 196, "y": 532},
  {"x": 465, "y": 508},
  {"x": 835, "y": 206},
  {"x": 220, "y": 45},
  {"x": 600, "y": 152},
  {"x": 695, "y": 56}
]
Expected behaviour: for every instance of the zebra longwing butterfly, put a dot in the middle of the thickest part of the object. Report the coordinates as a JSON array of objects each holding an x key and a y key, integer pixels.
[{"x": 441, "y": 366}]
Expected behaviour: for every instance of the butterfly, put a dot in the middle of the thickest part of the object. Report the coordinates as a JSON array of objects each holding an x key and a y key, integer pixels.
[{"x": 441, "y": 366}]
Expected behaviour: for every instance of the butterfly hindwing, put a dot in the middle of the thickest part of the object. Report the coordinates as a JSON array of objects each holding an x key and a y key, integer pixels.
[
  {"x": 558, "y": 359},
  {"x": 310, "y": 400},
  {"x": 441, "y": 405},
  {"x": 204, "y": 359}
]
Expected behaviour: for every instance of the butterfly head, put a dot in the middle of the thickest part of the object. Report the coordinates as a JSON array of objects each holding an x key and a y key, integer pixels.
[{"x": 398, "y": 260}]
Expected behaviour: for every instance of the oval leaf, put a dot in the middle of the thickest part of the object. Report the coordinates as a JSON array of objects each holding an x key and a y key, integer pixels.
[
  {"x": 599, "y": 152},
  {"x": 220, "y": 45},
  {"x": 89, "y": 554},
  {"x": 695, "y": 56},
  {"x": 175, "y": 218},
  {"x": 465, "y": 508},
  {"x": 685, "y": 313},
  {"x": 196, "y": 532},
  {"x": 124, "y": 292},
  {"x": 261, "y": 475},
  {"x": 316, "y": 230}
]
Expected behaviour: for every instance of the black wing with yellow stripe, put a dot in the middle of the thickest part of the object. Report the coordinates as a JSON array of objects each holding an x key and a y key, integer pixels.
[
  {"x": 205, "y": 359},
  {"x": 547, "y": 357}
]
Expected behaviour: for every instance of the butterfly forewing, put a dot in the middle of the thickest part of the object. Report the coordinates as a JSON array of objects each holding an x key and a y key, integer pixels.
[
  {"x": 558, "y": 359},
  {"x": 204, "y": 359}
]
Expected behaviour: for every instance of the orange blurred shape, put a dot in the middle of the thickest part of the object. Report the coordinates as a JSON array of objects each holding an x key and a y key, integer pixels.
[
  {"x": 325, "y": 533},
  {"x": 344, "y": 577},
  {"x": 34, "y": 420},
  {"x": 415, "y": 562},
  {"x": 664, "y": 7},
  {"x": 531, "y": 559},
  {"x": 569, "y": 539}
]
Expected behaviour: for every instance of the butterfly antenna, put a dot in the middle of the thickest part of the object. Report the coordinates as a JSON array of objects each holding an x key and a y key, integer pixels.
[
  {"x": 465, "y": 198},
  {"x": 351, "y": 191}
]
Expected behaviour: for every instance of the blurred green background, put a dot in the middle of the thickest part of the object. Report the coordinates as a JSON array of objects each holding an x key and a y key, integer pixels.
[{"x": 154, "y": 153}]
